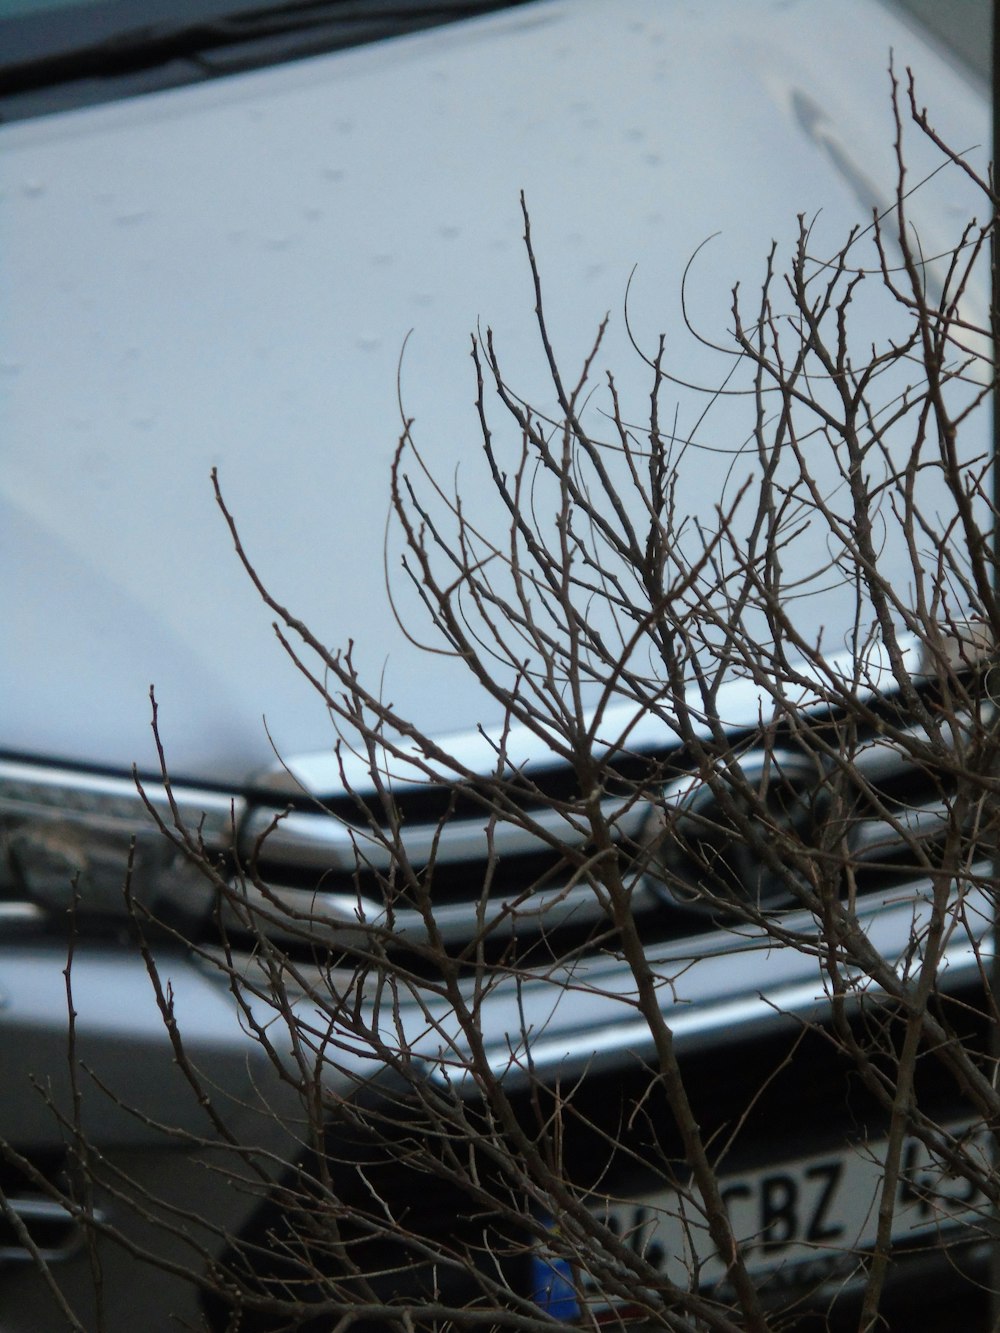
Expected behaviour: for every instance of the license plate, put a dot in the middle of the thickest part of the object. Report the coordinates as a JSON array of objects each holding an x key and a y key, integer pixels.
[{"x": 800, "y": 1223}]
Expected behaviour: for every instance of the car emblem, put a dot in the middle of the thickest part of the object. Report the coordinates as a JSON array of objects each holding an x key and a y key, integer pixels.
[{"x": 709, "y": 836}]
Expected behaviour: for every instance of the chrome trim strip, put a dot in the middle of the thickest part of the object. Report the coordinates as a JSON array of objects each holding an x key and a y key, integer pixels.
[
  {"x": 870, "y": 837},
  {"x": 342, "y": 919},
  {"x": 14, "y": 914},
  {"x": 326, "y": 842},
  {"x": 584, "y": 1015},
  {"x": 693, "y": 1027},
  {"x": 32, "y": 1210}
]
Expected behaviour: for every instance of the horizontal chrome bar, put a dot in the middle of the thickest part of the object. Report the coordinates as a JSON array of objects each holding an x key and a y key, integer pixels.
[
  {"x": 334, "y": 919},
  {"x": 908, "y": 825},
  {"x": 14, "y": 914},
  {"x": 33, "y": 1212},
  {"x": 701, "y": 1009},
  {"x": 325, "y": 842}
]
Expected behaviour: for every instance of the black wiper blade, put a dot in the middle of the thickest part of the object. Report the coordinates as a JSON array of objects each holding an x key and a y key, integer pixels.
[{"x": 322, "y": 24}]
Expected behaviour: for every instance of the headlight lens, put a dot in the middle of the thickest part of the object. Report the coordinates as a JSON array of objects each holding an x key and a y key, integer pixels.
[{"x": 62, "y": 830}]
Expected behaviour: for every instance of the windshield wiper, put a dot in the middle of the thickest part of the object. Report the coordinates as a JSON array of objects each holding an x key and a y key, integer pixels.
[{"x": 313, "y": 25}]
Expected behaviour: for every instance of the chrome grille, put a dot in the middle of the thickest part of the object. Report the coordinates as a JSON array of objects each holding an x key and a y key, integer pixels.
[
  {"x": 325, "y": 877},
  {"x": 334, "y": 874}
]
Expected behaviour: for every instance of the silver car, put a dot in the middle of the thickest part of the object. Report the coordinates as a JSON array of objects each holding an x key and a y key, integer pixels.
[{"x": 237, "y": 242}]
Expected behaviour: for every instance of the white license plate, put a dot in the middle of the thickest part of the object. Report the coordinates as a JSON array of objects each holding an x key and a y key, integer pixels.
[{"x": 802, "y": 1222}]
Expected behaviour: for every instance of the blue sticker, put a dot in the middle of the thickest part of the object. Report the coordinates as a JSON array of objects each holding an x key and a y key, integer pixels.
[{"x": 552, "y": 1288}]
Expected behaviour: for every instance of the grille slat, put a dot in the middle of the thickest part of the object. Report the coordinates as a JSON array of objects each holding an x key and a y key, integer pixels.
[
  {"x": 339, "y": 920},
  {"x": 329, "y": 843}
]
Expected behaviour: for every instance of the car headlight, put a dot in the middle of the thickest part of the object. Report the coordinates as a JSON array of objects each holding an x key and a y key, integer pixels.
[{"x": 63, "y": 831}]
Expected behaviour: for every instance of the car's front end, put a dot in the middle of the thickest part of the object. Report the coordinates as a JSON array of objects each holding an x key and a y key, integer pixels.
[{"x": 238, "y": 967}]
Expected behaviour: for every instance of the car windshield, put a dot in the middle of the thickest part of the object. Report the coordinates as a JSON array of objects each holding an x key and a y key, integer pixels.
[
  {"x": 964, "y": 27},
  {"x": 60, "y": 53}
]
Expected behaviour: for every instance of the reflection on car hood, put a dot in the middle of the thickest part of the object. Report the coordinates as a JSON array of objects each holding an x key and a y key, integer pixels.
[{"x": 224, "y": 275}]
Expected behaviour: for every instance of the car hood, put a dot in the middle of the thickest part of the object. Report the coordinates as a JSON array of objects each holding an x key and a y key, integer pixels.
[{"x": 224, "y": 276}]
